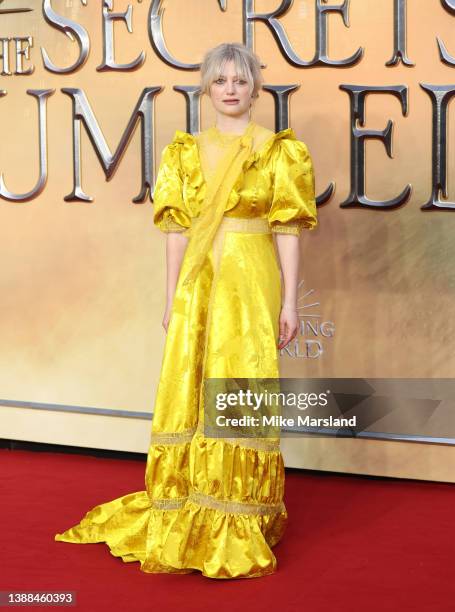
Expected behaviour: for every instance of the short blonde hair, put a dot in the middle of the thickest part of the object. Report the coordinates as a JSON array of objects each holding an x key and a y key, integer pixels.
[{"x": 247, "y": 65}]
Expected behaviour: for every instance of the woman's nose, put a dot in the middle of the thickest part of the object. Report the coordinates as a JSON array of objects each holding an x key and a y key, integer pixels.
[{"x": 230, "y": 87}]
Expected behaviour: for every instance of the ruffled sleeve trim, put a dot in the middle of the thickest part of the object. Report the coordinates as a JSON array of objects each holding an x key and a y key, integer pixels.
[
  {"x": 183, "y": 138},
  {"x": 287, "y": 133}
]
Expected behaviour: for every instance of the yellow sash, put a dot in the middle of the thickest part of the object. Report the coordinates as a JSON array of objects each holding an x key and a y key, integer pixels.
[{"x": 204, "y": 227}]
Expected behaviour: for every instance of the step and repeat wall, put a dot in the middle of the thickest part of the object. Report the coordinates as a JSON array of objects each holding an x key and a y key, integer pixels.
[{"x": 90, "y": 93}]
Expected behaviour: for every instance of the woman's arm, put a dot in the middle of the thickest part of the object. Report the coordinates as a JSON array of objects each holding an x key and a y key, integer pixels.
[
  {"x": 289, "y": 255},
  {"x": 176, "y": 244}
]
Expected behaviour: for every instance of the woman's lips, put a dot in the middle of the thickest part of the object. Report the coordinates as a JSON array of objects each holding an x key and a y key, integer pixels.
[{"x": 230, "y": 101}]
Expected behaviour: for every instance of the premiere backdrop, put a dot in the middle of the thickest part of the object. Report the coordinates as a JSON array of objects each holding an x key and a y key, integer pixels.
[{"x": 92, "y": 91}]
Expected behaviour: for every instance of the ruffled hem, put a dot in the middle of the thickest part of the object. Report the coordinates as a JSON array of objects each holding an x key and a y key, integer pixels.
[
  {"x": 193, "y": 537},
  {"x": 223, "y": 544},
  {"x": 210, "y": 504}
]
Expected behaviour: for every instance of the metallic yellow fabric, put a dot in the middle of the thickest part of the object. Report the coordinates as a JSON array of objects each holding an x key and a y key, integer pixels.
[
  {"x": 218, "y": 191},
  {"x": 276, "y": 182},
  {"x": 214, "y": 504}
]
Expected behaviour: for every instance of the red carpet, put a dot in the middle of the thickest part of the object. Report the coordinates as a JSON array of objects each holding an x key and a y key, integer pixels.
[{"x": 353, "y": 543}]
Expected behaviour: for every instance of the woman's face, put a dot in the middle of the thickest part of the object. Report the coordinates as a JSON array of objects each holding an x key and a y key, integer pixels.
[{"x": 230, "y": 94}]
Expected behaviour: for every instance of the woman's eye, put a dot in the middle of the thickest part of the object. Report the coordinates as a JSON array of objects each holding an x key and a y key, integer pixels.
[{"x": 240, "y": 82}]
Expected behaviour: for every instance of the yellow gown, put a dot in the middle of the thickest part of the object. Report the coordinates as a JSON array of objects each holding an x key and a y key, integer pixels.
[{"x": 214, "y": 504}]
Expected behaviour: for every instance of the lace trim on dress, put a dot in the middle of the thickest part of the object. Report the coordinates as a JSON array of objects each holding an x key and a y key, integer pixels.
[
  {"x": 168, "y": 504},
  {"x": 234, "y": 507},
  {"x": 264, "y": 444},
  {"x": 182, "y": 437},
  {"x": 174, "y": 437},
  {"x": 169, "y": 225},
  {"x": 287, "y": 228},
  {"x": 226, "y": 506}
]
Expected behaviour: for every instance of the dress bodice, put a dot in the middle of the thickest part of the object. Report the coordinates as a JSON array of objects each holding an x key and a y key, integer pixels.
[{"x": 276, "y": 181}]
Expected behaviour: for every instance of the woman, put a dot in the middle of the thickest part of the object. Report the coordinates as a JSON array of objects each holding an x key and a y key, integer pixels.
[{"x": 216, "y": 504}]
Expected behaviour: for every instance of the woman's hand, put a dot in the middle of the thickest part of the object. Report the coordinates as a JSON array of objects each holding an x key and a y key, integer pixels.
[
  {"x": 289, "y": 325},
  {"x": 166, "y": 318}
]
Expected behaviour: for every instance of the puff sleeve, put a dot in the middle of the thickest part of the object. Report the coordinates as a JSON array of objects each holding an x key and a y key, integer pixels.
[
  {"x": 293, "y": 205},
  {"x": 170, "y": 213}
]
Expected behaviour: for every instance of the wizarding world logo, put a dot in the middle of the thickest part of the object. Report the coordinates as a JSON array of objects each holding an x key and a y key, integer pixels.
[{"x": 314, "y": 332}]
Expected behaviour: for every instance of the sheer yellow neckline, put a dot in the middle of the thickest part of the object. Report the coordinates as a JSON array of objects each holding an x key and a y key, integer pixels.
[{"x": 229, "y": 135}]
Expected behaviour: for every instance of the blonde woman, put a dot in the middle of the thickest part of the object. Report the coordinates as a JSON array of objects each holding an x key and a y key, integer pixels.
[{"x": 212, "y": 504}]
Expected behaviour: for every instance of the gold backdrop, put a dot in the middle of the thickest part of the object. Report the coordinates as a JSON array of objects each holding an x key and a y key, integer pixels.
[{"x": 83, "y": 282}]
